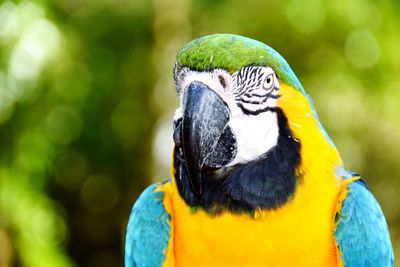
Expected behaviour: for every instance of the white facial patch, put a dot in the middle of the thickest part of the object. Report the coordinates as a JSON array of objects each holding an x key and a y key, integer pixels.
[
  {"x": 218, "y": 80},
  {"x": 255, "y": 135},
  {"x": 255, "y": 88}
]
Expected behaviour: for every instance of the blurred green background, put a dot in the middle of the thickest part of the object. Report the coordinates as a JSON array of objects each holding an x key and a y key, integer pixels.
[{"x": 86, "y": 101}]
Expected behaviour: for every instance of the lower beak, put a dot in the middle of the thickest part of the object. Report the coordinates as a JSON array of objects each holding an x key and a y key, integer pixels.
[{"x": 205, "y": 119}]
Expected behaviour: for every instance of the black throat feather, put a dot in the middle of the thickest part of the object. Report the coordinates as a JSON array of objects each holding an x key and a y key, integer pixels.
[{"x": 265, "y": 183}]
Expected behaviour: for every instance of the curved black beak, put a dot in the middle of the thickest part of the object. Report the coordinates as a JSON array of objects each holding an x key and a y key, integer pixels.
[{"x": 205, "y": 119}]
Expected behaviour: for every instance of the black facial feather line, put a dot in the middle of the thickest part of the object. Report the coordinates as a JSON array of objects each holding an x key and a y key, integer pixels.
[{"x": 248, "y": 80}]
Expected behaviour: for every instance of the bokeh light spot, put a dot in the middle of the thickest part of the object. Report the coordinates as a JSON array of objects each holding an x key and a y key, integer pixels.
[
  {"x": 15, "y": 18},
  {"x": 362, "y": 49},
  {"x": 306, "y": 16},
  {"x": 74, "y": 82},
  {"x": 342, "y": 102},
  {"x": 48, "y": 228},
  {"x": 7, "y": 19},
  {"x": 63, "y": 125},
  {"x": 363, "y": 14},
  {"x": 33, "y": 153},
  {"x": 38, "y": 44}
]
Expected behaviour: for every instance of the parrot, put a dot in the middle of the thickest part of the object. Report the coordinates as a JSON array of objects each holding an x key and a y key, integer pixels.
[{"x": 255, "y": 178}]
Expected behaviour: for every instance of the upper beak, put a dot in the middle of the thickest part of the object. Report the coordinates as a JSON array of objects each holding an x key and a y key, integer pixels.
[{"x": 205, "y": 118}]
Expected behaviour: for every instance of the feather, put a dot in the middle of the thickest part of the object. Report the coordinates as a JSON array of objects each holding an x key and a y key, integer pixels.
[
  {"x": 148, "y": 230},
  {"x": 361, "y": 230}
]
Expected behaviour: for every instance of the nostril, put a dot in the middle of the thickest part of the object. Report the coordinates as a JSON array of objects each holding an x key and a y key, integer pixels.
[{"x": 222, "y": 81}]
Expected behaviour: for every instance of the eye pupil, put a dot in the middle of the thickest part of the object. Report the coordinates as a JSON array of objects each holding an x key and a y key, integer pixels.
[{"x": 269, "y": 82}]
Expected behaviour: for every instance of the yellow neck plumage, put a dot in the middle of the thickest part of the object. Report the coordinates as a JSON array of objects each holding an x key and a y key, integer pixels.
[{"x": 299, "y": 233}]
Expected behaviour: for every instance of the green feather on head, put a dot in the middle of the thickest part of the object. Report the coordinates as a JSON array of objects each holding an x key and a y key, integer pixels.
[{"x": 232, "y": 52}]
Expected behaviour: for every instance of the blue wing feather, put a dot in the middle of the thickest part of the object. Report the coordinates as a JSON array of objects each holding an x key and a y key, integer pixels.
[
  {"x": 361, "y": 232},
  {"x": 148, "y": 230}
]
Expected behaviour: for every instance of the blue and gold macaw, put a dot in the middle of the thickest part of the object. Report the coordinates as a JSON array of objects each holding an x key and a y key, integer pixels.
[{"x": 256, "y": 179}]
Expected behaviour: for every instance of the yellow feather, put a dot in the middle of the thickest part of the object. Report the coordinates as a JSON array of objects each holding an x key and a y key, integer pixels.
[{"x": 300, "y": 233}]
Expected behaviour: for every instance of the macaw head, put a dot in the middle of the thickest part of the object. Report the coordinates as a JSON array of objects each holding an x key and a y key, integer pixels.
[{"x": 243, "y": 123}]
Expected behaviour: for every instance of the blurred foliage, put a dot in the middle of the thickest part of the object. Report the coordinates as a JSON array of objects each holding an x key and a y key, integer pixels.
[{"x": 86, "y": 101}]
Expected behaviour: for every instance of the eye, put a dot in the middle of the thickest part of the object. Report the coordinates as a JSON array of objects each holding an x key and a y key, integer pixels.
[{"x": 269, "y": 82}]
